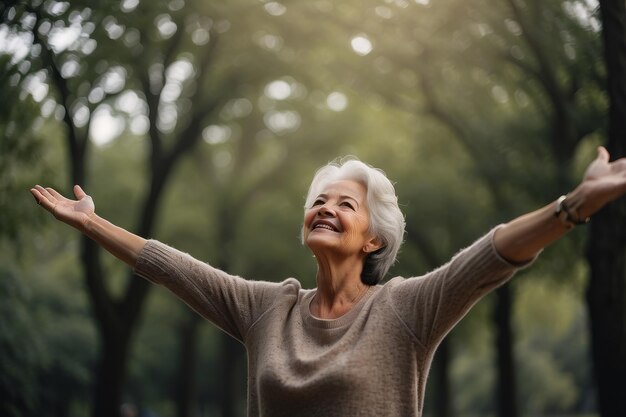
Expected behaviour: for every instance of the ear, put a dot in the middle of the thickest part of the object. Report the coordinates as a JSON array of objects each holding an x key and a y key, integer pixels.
[{"x": 372, "y": 245}]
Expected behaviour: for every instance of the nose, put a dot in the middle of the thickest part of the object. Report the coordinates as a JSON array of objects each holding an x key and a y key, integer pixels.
[{"x": 325, "y": 211}]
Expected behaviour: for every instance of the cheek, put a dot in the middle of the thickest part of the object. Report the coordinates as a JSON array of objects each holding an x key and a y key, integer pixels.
[
  {"x": 357, "y": 222},
  {"x": 308, "y": 217},
  {"x": 353, "y": 226}
]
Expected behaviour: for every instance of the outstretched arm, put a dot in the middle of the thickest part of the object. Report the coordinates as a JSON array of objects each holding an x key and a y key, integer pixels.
[
  {"x": 522, "y": 238},
  {"x": 80, "y": 214}
]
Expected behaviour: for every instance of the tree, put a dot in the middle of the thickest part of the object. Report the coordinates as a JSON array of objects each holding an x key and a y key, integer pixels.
[
  {"x": 150, "y": 63},
  {"x": 606, "y": 252}
]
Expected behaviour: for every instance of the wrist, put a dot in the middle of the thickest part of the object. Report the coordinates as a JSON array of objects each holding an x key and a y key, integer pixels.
[
  {"x": 89, "y": 225},
  {"x": 566, "y": 211}
]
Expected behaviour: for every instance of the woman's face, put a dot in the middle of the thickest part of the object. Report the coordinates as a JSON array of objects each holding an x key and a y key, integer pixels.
[{"x": 338, "y": 220}]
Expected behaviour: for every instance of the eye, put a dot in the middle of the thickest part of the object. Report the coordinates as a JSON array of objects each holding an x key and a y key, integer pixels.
[
  {"x": 318, "y": 202},
  {"x": 347, "y": 204}
]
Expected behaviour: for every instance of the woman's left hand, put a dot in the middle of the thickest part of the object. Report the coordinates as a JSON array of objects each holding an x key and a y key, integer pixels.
[
  {"x": 521, "y": 239},
  {"x": 603, "y": 182}
]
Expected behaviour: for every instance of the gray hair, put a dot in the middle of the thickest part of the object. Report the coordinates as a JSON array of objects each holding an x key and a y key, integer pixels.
[{"x": 386, "y": 220}]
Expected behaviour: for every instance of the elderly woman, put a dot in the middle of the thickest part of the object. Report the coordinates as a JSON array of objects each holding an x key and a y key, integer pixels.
[{"x": 351, "y": 346}]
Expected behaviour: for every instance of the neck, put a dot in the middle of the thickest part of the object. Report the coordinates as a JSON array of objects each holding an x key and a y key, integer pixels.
[{"x": 339, "y": 287}]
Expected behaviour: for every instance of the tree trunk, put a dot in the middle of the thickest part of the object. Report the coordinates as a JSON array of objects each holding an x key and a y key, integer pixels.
[
  {"x": 117, "y": 319},
  {"x": 230, "y": 354},
  {"x": 187, "y": 365},
  {"x": 606, "y": 302},
  {"x": 441, "y": 380},
  {"x": 506, "y": 399},
  {"x": 606, "y": 252},
  {"x": 111, "y": 376}
]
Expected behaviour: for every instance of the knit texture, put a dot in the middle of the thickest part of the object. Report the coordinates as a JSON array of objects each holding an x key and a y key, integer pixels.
[{"x": 372, "y": 361}]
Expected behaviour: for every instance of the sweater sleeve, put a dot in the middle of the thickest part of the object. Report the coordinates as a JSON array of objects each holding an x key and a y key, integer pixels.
[
  {"x": 230, "y": 302},
  {"x": 432, "y": 304}
]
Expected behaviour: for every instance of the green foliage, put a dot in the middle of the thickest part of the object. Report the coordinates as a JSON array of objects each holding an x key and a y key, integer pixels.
[
  {"x": 48, "y": 341},
  {"x": 20, "y": 347},
  {"x": 21, "y": 156},
  {"x": 550, "y": 319}
]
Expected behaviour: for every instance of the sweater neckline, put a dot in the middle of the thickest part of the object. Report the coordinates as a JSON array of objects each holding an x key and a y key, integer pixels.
[{"x": 310, "y": 320}]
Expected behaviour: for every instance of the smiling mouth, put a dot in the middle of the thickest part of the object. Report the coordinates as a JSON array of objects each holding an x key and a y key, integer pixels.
[{"x": 324, "y": 226}]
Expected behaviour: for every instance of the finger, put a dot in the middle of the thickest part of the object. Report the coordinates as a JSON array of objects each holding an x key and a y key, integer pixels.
[
  {"x": 603, "y": 154},
  {"x": 36, "y": 195},
  {"x": 55, "y": 194},
  {"x": 78, "y": 192},
  {"x": 45, "y": 193},
  {"x": 41, "y": 199}
]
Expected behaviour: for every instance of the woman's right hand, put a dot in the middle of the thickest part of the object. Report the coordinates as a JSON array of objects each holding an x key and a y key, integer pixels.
[
  {"x": 76, "y": 213},
  {"x": 80, "y": 213}
]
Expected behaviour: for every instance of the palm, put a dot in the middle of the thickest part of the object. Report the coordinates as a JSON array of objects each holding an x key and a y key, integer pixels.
[
  {"x": 68, "y": 207},
  {"x": 604, "y": 181},
  {"x": 603, "y": 170}
]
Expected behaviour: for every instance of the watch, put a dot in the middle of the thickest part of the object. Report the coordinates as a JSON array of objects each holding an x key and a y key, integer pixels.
[{"x": 562, "y": 213}]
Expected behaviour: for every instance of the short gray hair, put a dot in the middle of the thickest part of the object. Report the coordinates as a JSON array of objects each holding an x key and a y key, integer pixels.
[{"x": 386, "y": 220}]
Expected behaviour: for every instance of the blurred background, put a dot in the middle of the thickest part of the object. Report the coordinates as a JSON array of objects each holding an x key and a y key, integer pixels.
[{"x": 201, "y": 123}]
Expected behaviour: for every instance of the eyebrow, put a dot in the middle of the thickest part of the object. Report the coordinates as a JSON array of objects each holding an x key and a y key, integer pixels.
[{"x": 341, "y": 197}]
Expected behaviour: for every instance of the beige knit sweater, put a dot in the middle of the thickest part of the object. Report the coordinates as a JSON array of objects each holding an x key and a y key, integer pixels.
[{"x": 373, "y": 361}]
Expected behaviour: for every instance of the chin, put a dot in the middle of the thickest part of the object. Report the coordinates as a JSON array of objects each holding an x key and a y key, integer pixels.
[{"x": 318, "y": 240}]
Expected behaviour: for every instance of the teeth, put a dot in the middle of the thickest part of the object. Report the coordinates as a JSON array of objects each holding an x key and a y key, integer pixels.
[{"x": 324, "y": 226}]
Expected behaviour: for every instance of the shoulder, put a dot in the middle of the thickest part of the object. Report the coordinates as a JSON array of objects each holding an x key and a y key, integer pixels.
[
  {"x": 399, "y": 283},
  {"x": 291, "y": 285}
]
